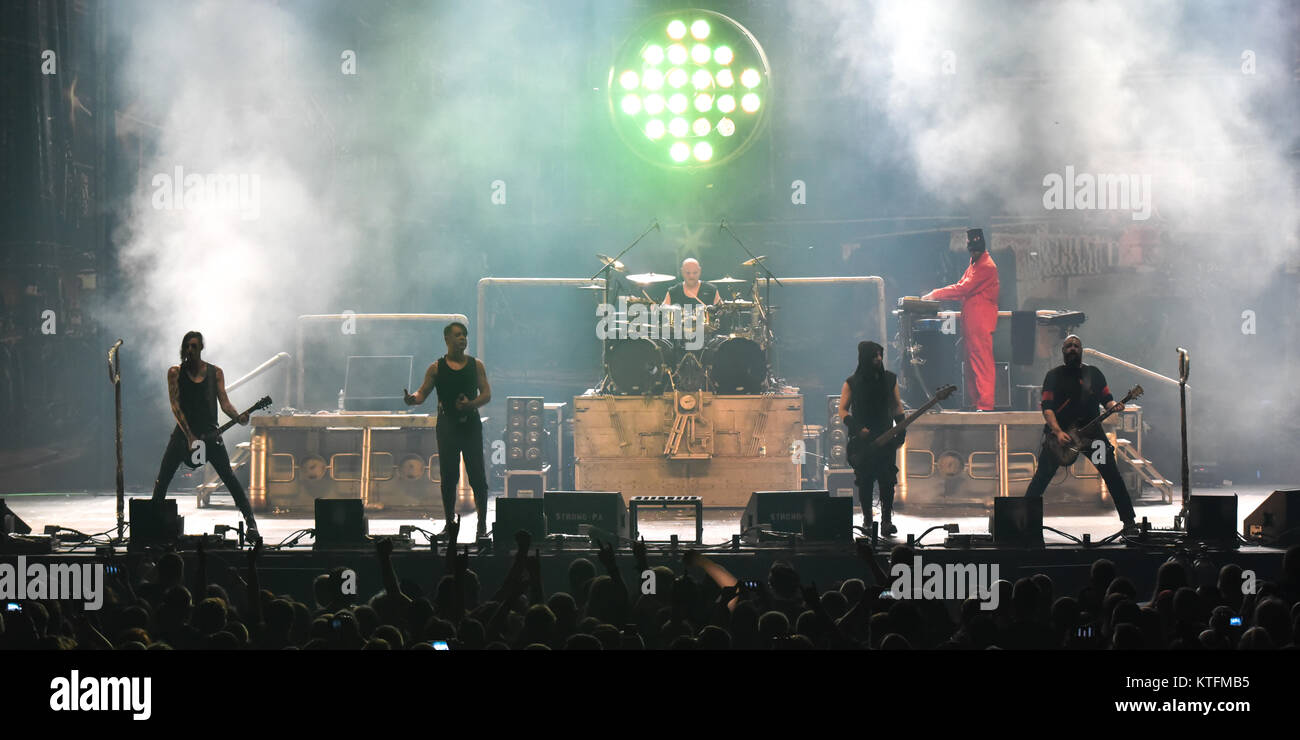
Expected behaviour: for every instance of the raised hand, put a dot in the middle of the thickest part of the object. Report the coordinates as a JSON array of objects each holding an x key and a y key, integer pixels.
[
  {"x": 639, "y": 552},
  {"x": 384, "y": 546},
  {"x": 865, "y": 550},
  {"x": 462, "y": 562},
  {"x": 256, "y": 552},
  {"x": 534, "y": 566},
  {"x": 523, "y": 540},
  {"x": 607, "y": 555}
]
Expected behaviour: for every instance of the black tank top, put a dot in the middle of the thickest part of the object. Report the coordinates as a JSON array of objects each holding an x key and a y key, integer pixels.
[
  {"x": 870, "y": 403},
  {"x": 450, "y": 384},
  {"x": 706, "y": 294},
  {"x": 199, "y": 400}
]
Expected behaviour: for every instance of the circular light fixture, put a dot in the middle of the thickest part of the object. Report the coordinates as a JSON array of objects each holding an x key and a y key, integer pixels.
[{"x": 686, "y": 89}]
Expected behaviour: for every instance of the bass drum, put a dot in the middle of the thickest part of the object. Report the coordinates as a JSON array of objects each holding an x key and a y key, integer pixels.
[
  {"x": 736, "y": 365},
  {"x": 638, "y": 366}
]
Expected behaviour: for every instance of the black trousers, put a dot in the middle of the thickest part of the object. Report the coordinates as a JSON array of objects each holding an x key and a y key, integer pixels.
[
  {"x": 1047, "y": 467},
  {"x": 178, "y": 451},
  {"x": 457, "y": 439},
  {"x": 877, "y": 468}
]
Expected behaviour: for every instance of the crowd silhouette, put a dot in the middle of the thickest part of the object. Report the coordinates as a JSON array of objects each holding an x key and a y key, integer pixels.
[{"x": 1196, "y": 605}]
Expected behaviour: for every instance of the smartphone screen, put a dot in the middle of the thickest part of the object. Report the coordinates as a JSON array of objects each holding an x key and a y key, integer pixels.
[{"x": 440, "y": 645}]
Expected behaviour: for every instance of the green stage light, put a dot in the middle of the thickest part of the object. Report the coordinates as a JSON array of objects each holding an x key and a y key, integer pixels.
[{"x": 677, "y": 83}]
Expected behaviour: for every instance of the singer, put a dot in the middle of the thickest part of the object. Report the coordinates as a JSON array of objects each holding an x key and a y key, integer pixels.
[{"x": 462, "y": 385}]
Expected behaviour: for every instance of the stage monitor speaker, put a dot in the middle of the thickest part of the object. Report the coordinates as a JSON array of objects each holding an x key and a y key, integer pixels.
[
  {"x": 1001, "y": 387},
  {"x": 1276, "y": 521},
  {"x": 1212, "y": 517},
  {"x": 525, "y": 433},
  {"x": 828, "y": 519},
  {"x": 340, "y": 522},
  {"x": 1018, "y": 522},
  {"x": 776, "y": 511},
  {"x": 514, "y": 514},
  {"x": 153, "y": 523},
  {"x": 12, "y": 523},
  {"x": 566, "y": 511}
]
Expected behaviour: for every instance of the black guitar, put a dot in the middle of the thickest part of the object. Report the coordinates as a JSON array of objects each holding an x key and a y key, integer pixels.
[
  {"x": 216, "y": 434},
  {"x": 860, "y": 446},
  {"x": 1066, "y": 454}
]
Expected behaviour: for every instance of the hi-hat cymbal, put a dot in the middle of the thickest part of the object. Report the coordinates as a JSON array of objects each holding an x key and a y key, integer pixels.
[
  {"x": 728, "y": 280},
  {"x": 650, "y": 278},
  {"x": 607, "y": 260}
]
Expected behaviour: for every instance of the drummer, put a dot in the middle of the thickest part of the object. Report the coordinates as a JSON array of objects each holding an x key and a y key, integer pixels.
[{"x": 690, "y": 289}]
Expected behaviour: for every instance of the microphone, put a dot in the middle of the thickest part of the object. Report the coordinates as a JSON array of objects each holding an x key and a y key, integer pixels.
[
  {"x": 722, "y": 225},
  {"x": 656, "y": 226}
]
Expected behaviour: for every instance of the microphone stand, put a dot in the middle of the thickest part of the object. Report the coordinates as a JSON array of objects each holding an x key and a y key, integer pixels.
[
  {"x": 606, "y": 271},
  {"x": 768, "y": 337},
  {"x": 1184, "y": 369}
]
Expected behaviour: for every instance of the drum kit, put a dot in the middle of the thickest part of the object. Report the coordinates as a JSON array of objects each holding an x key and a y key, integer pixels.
[{"x": 722, "y": 348}]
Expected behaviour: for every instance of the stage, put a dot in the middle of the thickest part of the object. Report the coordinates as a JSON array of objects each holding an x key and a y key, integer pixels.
[{"x": 290, "y": 569}]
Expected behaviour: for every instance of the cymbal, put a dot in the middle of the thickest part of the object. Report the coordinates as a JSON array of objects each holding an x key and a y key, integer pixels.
[
  {"x": 607, "y": 260},
  {"x": 591, "y": 287},
  {"x": 728, "y": 280},
  {"x": 650, "y": 278},
  {"x": 755, "y": 261}
]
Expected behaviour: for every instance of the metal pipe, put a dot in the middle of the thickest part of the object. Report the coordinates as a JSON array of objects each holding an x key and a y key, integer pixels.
[
  {"x": 344, "y": 316},
  {"x": 278, "y": 359},
  {"x": 480, "y": 331},
  {"x": 1130, "y": 366},
  {"x": 879, "y": 282}
]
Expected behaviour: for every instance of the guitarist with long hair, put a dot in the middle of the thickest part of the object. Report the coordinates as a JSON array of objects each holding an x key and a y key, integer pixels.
[
  {"x": 1072, "y": 395},
  {"x": 870, "y": 406},
  {"x": 195, "y": 387}
]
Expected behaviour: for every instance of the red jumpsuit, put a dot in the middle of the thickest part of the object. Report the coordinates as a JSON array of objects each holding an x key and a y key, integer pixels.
[{"x": 978, "y": 292}]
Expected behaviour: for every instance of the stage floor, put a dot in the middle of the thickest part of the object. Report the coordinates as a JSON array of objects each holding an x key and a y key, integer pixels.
[{"x": 93, "y": 513}]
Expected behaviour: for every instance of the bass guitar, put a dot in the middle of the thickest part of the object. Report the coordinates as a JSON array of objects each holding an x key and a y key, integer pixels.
[
  {"x": 216, "y": 435},
  {"x": 1066, "y": 454},
  {"x": 859, "y": 447}
]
